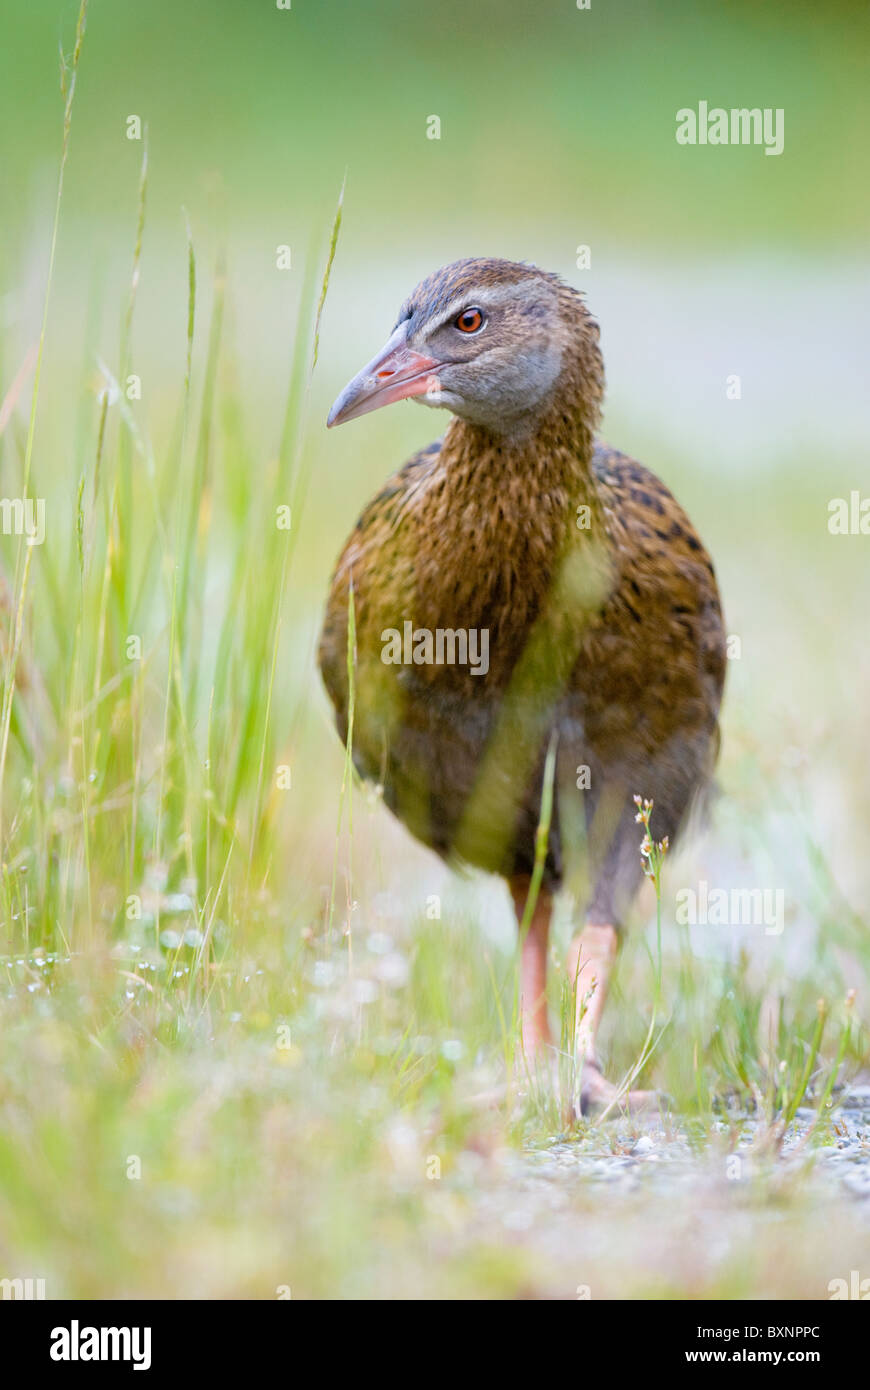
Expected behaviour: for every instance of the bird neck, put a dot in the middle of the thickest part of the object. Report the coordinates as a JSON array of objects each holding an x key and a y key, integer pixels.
[
  {"x": 540, "y": 472},
  {"x": 503, "y": 516}
]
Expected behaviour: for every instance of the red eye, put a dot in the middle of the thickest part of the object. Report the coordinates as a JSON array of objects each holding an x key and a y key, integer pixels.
[{"x": 469, "y": 321}]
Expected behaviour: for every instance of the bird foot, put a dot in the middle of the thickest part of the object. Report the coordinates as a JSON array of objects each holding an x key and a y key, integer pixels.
[
  {"x": 593, "y": 1094},
  {"x": 598, "y": 1094}
]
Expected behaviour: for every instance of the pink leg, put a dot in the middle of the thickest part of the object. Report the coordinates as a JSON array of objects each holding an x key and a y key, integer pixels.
[
  {"x": 590, "y": 961},
  {"x": 533, "y": 970}
]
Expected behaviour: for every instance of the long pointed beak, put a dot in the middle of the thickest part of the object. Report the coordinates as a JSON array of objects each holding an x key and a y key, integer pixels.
[{"x": 396, "y": 373}]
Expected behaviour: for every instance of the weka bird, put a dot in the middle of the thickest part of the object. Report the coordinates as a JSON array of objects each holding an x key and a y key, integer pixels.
[{"x": 579, "y": 570}]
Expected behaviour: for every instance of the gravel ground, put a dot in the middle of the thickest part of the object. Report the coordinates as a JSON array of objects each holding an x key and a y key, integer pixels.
[
  {"x": 638, "y": 1209},
  {"x": 647, "y": 1155}
]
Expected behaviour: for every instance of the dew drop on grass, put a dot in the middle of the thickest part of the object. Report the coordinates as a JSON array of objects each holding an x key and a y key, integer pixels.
[
  {"x": 379, "y": 943},
  {"x": 175, "y": 903},
  {"x": 393, "y": 970},
  {"x": 364, "y": 991}
]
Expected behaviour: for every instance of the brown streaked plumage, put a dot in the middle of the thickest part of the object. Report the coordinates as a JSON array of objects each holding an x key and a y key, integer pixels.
[{"x": 599, "y": 601}]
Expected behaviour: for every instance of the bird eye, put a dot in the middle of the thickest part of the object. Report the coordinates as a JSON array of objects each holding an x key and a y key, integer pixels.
[{"x": 469, "y": 321}]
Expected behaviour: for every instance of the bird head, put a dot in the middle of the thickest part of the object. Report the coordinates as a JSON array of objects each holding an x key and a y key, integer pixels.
[{"x": 490, "y": 341}]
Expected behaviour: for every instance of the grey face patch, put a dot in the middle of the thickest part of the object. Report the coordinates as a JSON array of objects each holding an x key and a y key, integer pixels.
[
  {"x": 501, "y": 375},
  {"x": 533, "y": 299}
]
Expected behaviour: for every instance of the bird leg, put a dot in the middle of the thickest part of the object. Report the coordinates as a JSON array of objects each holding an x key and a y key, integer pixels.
[
  {"x": 590, "y": 960},
  {"x": 533, "y": 970}
]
